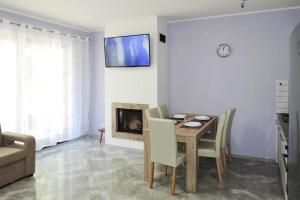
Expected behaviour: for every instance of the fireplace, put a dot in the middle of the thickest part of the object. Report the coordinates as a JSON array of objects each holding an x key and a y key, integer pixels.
[{"x": 129, "y": 121}]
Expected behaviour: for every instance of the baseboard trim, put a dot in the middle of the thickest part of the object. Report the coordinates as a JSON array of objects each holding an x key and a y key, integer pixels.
[
  {"x": 92, "y": 134},
  {"x": 268, "y": 160}
]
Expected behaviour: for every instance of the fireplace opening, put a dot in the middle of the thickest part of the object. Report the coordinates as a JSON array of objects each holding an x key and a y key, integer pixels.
[{"x": 129, "y": 121}]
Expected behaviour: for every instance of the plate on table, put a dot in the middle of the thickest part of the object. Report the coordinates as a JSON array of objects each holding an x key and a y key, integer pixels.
[
  {"x": 179, "y": 116},
  {"x": 202, "y": 118},
  {"x": 192, "y": 124}
]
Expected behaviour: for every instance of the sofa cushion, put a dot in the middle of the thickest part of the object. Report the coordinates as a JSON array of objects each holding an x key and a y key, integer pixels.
[{"x": 9, "y": 155}]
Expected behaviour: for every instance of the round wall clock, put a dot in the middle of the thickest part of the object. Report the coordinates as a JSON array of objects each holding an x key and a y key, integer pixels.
[{"x": 223, "y": 50}]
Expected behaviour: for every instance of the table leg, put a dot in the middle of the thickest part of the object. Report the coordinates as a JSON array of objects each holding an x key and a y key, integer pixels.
[
  {"x": 146, "y": 156},
  {"x": 192, "y": 166}
]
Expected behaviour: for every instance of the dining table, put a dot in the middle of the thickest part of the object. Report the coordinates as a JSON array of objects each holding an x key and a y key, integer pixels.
[{"x": 190, "y": 136}]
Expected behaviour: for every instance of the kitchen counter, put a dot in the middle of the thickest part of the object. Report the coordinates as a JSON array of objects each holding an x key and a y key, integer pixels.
[{"x": 283, "y": 122}]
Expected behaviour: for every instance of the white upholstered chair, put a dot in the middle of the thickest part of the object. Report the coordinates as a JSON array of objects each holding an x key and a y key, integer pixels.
[
  {"x": 155, "y": 113},
  {"x": 152, "y": 112},
  {"x": 213, "y": 149},
  {"x": 227, "y": 136},
  {"x": 163, "y": 147},
  {"x": 225, "y": 142},
  {"x": 163, "y": 111},
  {"x": 223, "y": 138}
]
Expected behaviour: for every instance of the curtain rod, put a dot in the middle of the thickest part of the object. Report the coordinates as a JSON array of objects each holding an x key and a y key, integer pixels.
[{"x": 48, "y": 30}]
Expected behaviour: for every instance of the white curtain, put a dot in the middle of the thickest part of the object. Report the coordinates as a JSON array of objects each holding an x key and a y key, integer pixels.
[{"x": 44, "y": 84}]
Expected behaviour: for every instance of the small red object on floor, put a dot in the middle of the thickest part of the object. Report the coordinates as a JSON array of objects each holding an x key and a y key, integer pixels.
[{"x": 101, "y": 131}]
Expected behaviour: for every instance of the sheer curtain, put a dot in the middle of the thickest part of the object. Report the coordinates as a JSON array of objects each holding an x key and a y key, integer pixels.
[{"x": 44, "y": 84}]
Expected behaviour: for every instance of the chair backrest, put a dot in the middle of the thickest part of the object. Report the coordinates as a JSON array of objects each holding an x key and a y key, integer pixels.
[
  {"x": 152, "y": 112},
  {"x": 163, "y": 111},
  {"x": 225, "y": 129},
  {"x": 163, "y": 144},
  {"x": 228, "y": 128},
  {"x": 220, "y": 133},
  {"x": 0, "y": 136}
]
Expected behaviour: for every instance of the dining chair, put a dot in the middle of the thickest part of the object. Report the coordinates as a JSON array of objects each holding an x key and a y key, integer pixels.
[
  {"x": 163, "y": 111},
  {"x": 213, "y": 149},
  {"x": 211, "y": 137},
  {"x": 164, "y": 114},
  {"x": 163, "y": 147},
  {"x": 225, "y": 144},
  {"x": 152, "y": 112},
  {"x": 227, "y": 136},
  {"x": 223, "y": 138},
  {"x": 208, "y": 137}
]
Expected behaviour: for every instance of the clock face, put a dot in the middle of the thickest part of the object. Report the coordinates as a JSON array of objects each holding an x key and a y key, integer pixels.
[{"x": 224, "y": 50}]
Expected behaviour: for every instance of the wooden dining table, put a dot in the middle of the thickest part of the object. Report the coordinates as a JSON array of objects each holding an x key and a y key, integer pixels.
[{"x": 191, "y": 137}]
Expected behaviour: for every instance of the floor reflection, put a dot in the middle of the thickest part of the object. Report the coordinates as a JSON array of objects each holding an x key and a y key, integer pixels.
[{"x": 84, "y": 169}]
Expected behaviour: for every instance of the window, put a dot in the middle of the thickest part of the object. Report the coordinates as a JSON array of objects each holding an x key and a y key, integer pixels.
[{"x": 44, "y": 84}]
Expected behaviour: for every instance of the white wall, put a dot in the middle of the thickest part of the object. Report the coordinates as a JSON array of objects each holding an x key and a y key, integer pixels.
[
  {"x": 294, "y": 118},
  {"x": 132, "y": 85}
]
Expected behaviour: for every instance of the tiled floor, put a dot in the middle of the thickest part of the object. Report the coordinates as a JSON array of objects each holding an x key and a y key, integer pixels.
[{"x": 84, "y": 169}]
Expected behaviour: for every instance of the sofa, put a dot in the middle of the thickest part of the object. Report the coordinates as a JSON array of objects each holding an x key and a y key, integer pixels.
[{"x": 17, "y": 157}]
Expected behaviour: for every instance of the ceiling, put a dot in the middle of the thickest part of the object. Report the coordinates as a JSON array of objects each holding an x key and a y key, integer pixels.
[{"x": 93, "y": 15}]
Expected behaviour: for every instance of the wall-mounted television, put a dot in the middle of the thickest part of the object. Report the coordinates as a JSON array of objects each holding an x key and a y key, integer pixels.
[{"x": 127, "y": 51}]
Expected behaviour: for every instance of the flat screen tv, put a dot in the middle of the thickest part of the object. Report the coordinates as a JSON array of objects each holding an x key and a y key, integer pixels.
[{"x": 127, "y": 51}]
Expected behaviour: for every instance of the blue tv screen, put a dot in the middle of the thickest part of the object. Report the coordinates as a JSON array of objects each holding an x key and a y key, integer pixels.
[{"x": 127, "y": 51}]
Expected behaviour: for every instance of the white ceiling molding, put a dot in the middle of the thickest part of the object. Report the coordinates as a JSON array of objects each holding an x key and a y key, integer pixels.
[
  {"x": 46, "y": 20},
  {"x": 235, "y": 14},
  {"x": 96, "y": 14}
]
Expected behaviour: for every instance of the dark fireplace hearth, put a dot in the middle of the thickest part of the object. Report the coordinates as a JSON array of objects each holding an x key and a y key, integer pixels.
[{"x": 129, "y": 120}]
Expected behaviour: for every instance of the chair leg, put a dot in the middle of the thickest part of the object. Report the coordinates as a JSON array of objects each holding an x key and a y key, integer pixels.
[
  {"x": 229, "y": 152},
  {"x": 223, "y": 153},
  {"x": 166, "y": 170},
  {"x": 173, "y": 181},
  {"x": 219, "y": 169},
  {"x": 221, "y": 165},
  {"x": 151, "y": 174}
]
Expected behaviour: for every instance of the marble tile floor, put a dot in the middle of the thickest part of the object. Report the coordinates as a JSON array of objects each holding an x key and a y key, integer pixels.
[{"x": 84, "y": 169}]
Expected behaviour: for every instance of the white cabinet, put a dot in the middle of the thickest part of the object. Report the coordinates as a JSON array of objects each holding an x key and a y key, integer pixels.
[
  {"x": 282, "y": 96},
  {"x": 282, "y": 153},
  {"x": 282, "y": 99}
]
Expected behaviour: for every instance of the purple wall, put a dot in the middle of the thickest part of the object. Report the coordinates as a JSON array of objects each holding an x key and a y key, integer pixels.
[
  {"x": 202, "y": 82},
  {"x": 97, "y": 99}
]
